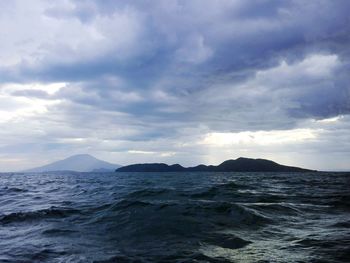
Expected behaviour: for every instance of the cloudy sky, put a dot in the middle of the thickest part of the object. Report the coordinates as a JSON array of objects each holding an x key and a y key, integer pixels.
[{"x": 175, "y": 81}]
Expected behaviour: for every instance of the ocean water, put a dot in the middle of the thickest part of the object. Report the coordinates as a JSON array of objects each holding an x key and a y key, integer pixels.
[{"x": 175, "y": 217}]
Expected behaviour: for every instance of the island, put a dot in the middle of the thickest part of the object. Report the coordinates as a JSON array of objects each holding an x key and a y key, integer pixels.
[
  {"x": 239, "y": 165},
  {"x": 76, "y": 163}
]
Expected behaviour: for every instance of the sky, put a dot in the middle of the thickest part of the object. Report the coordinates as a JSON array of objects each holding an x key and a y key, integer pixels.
[{"x": 184, "y": 82}]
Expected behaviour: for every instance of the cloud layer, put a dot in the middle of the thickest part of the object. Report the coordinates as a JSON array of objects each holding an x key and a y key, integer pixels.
[{"x": 175, "y": 81}]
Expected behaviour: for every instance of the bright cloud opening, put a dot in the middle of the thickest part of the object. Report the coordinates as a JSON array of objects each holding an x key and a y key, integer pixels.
[
  {"x": 260, "y": 137},
  {"x": 19, "y": 104},
  {"x": 330, "y": 120},
  {"x": 49, "y": 88}
]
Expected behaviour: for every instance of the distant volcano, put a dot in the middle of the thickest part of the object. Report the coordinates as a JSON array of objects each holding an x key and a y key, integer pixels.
[{"x": 77, "y": 163}]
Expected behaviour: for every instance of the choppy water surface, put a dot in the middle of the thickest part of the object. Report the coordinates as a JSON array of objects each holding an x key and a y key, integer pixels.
[{"x": 175, "y": 217}]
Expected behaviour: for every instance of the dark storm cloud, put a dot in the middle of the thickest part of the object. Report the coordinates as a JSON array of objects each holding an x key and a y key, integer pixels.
[
  {"x": 328, "y": 99},
  {"x": 200, "y": 43}
]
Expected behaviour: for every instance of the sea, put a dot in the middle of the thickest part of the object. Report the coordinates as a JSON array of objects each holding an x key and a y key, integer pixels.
[{"x": 175, "y": 217}]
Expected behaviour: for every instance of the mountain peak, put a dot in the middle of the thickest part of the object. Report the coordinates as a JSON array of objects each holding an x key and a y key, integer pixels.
[
  {"x": 81, "y": 156},
  {"x": 78, "y": 163}
]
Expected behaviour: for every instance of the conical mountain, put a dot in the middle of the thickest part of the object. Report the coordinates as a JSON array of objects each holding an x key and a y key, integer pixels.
[{"x": 78, "y": 163}]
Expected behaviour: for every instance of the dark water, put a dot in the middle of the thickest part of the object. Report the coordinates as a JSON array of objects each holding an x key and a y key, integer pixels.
[{"x": 172, "y": 217}]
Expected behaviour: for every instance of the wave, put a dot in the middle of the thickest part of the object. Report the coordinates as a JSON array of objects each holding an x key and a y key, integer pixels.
[
  {"x": 46, "y": 254},
  {"x": 129, "y": 204},
  {"x": 276, "y": 208},
  {"x": 56, "y": 231},
  {"x": 52, "y": 212},
  {"x": 342, "y": 202},
  {"x": 344, "y": 224},
  {"x": 178, "y": 256},
  {"x": 145, "y": 193},
  {"x": 192, "y": 211},
  {"x": 6, "y": 190},
  {"x": 217, "y": 190},
  {"x": 226, "y": 241}
]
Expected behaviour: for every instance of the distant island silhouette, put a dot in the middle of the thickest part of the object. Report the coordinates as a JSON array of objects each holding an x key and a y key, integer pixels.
[
  {"x": 76, "y": 163},
  {"x": 239, "y": 165}
]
